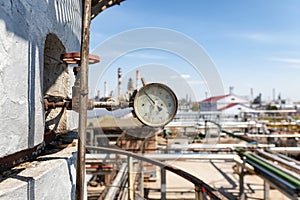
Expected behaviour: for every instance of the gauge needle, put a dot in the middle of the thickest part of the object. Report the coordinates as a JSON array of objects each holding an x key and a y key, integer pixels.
[{"x": 153, "y": 102}]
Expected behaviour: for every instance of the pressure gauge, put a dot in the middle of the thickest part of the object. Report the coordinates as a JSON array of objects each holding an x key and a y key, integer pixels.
[{"x": 155, "y": 105}]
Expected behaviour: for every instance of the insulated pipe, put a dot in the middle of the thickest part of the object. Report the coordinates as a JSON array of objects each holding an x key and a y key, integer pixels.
[
  {"x": 115, "y": 186},
  {"x": 284, "y": 170},
  {"x": 288, "y": 159},
  {"x": 295, "y": 182},
  {"x": 275, "y": 181},
  {"x": 241, "y": 137},
  {"x": 290, "y": 164}
]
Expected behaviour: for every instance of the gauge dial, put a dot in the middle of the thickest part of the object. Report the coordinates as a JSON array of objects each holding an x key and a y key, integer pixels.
[{"x": 155, "y": 105}]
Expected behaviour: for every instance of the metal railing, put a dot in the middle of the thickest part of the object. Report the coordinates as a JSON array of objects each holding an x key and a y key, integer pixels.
[{"x": 201, "y": 189}]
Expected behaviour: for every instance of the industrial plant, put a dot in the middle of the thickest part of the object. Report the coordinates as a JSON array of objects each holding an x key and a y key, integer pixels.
[{"x": 136, "y": 139}]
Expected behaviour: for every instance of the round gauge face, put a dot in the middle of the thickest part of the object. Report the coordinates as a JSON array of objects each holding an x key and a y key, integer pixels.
[{"x": 155, "y": 105}]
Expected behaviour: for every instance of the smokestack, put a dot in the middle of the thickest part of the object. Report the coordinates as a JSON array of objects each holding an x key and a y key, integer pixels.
[
  {"x": 105, "y": 89},
  {"x": 274, "y": 94},
  {"x": 137, "y": 78},
  {"x": 98, "y": 95},
  {"x": 119, "y": 80},
  {"x": 231, "y": 90},
  {"x": 251, "y": 97}
]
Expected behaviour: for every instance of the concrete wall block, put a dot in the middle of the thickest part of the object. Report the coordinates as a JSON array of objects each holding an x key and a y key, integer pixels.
[
  {"x": 24, "y": 25},
  {"x": 53, "y": 177}
]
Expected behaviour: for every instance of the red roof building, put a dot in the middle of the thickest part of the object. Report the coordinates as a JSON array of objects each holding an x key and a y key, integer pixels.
[{"x": 220, "y": 103}]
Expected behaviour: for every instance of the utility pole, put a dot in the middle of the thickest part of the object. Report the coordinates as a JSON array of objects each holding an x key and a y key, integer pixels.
[{"x": 83, "y": 99}]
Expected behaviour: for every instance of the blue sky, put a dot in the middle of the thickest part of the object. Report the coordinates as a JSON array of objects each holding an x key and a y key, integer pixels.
[{"x": 253, "y": 44}]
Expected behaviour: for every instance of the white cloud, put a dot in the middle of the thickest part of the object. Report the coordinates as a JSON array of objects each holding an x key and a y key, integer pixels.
[
  {"x": 144, "y": 56},
  {"x": 197, "y": 82},
  {"x": 174, "y": 77},
  {"x": 258, "y": 37},
  {"x": 287, "y": 60},
  {"x": 185, "y": 76},
  {"x": 255, "y": 36},
  {"x": 181, "y": 76},
  {"x": 292, "y": 63},
  {"x": 282, "y": 38},
  {"x": 294, "y": 66}
]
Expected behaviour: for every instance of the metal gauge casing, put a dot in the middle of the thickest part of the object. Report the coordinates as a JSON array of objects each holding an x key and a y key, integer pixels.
[{"x": 155, "y": 105}]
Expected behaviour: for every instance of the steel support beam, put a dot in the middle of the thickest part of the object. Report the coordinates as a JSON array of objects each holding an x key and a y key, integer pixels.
[
  {"x": 130, "y": 178},
  {"x": 142, "y": 179},
  {"x": 163, "y": 184},
  {"x": 266, "y": 190},
  {"x": 242, "y": 174},
  {"x": 199, "y": 195}
]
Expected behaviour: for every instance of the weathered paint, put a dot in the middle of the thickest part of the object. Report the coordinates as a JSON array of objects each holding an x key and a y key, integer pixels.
[
  {"x": 24, "y": 26},
  {"x": 46, "y": 178}
]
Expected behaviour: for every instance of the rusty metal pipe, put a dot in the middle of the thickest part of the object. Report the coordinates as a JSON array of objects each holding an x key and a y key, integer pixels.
[
  {"x": 111, "y": 105},
  {"x": 143, "y": 81},
  {"x": 83, "y": 99},
  {"x": 105, "y": 104},
  {"x": 52, "y": 105}
]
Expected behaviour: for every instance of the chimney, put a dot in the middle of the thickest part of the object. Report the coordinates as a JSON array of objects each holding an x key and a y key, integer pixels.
[
  {"x": 119, "y": 81},
  {"x": 231, "y": 89},
  {"x": 137, "y": 78},
  {"x": 98, "y": 95},
  {"x": 105, "y": 89}
]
